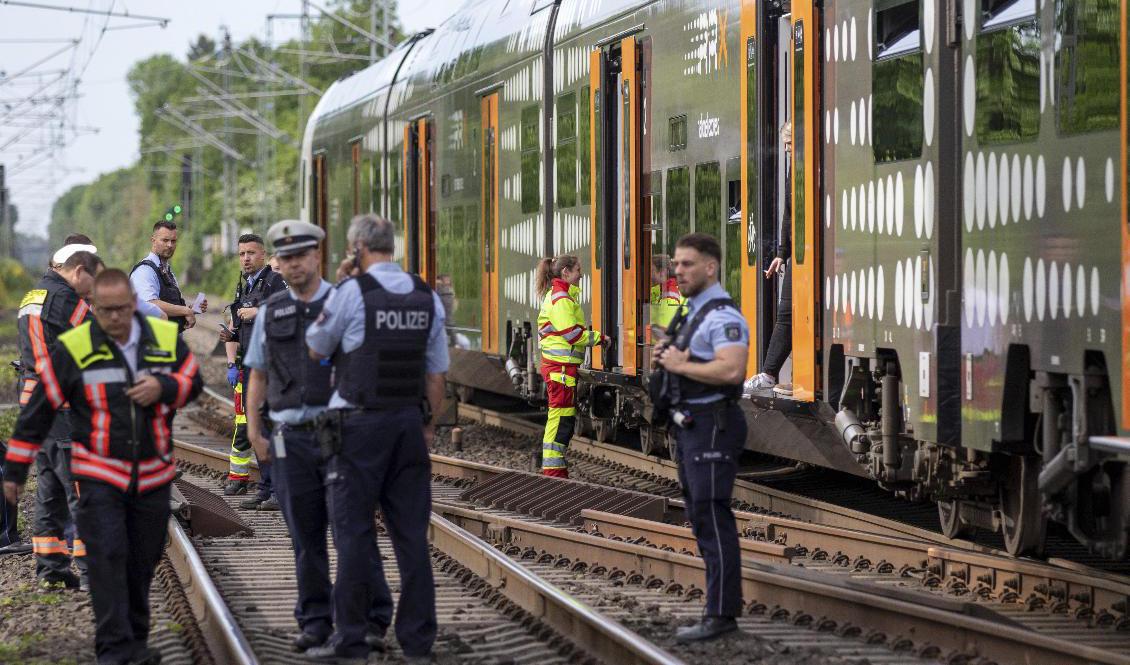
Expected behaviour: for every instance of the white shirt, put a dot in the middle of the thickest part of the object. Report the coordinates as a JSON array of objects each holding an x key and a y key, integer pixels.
[{"x": 129, "y": 348}]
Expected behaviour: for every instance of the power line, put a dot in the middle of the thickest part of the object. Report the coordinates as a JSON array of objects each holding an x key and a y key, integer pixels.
[{"x": 82, "y": 10}]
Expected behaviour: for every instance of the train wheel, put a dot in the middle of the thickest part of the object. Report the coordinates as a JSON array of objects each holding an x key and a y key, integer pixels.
[
  {"x": 1023, "y": 524},
  {"x": 604, "y": 429},
  {"x": 649, "y": 437},
  {"x": 949, "y": 515}
]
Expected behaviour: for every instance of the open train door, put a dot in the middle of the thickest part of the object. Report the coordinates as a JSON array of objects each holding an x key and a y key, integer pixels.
[
  {"x": 418, "y": 199},
  {"x": 318, "y": 198},
  {"x": 618, "y": 262},
  {"x": 489, "y": 222},
  {"x": 805, "y": 102}
]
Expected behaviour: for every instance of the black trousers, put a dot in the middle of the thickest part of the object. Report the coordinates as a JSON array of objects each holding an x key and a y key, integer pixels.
[
  {"x": 708, "y": 463},
  {"x": 56, "y": 502},
  {"x": 9, "y": 514},
  {"x": 781, "y": 341},
  {"x": 300, "y": 477},
  {"x": 125, "y": 535},
  {"x": 384, "y": 462}
]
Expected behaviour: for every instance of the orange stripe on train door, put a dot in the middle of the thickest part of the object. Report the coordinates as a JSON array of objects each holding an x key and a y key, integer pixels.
[
  {"x": 806, "y": 242},
  {"x": 750, "y": 270},
  {"x": 629, "y": 179},
  {"x": 596, "y": 61},
  {"x": 489, "y": 223}
]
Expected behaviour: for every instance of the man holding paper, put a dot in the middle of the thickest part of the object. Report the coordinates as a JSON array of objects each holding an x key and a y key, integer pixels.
[{"x": 154, "y": 282}]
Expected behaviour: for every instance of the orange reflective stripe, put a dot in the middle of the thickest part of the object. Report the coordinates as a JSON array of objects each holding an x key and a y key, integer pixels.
[
  {"x": 79, "y": 313},
  {"x": 48, "y": 545},
  {"x": 43, "y": 366},
  {"x": 78, "y": 548},
  {"x": 21, "y": 452}
]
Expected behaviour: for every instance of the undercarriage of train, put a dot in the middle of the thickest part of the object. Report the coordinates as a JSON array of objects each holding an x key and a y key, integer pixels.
[{"x": 1062, "y": 465}]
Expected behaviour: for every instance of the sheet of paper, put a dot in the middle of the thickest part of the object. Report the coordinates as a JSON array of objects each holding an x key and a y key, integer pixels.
[{"x": 198, "y": 302}]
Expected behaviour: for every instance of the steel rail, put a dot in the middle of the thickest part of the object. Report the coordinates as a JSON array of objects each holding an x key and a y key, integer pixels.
[
  {"x": 224, "y": 637},
  {"x": 600, "y": 636},
  {"x": 968, "y": 628}
]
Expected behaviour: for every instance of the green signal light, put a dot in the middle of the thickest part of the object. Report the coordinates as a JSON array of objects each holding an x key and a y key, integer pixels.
[
  {"x": 168, "y": 217},
  {"x": 177, "y": 209}
]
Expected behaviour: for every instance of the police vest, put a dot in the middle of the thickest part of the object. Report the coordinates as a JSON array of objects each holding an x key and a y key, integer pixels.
[
  {"x": 387, "y": 370},
  {"x": 45, "y": 312},
  {"x": 168, "y": 292},
  {"x": 684, "y": 331},
  {"x": 265, "y": 285},
  {"x": 294, "y": 378}
]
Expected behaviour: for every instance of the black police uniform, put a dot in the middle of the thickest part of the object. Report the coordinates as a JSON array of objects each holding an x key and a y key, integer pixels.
[
  {"x": 294, "y": 382},
  {"x": 383, "y": 460},
  {"x": 708, "y": 449},
  {"x": 264, "y": 285},
  {"x": 46, "y": 311},
  {"x": 168, "y": 292}
]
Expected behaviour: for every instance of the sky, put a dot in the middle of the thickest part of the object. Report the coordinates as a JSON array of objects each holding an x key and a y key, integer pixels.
[{"x": 104, "y": 103}]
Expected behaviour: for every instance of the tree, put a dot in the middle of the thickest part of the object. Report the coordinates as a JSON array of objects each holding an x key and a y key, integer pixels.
[{"x": 202, "y": 47}]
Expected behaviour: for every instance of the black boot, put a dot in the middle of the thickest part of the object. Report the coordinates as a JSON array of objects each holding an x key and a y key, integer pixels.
[
  {"x": 235, "y": 486},
  {"x": 707, "y": 629}
]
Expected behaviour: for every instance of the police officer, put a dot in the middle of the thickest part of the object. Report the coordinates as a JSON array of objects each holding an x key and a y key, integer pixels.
[
  {"x": 707, "y": 358},
  {"x": 298, "y": 389},
  {"x": 257, "y": 282},
  {"x": 385, "y": 329},
  {"x": 123, "y": 375},
  {"x": 153, "y": 280},
  {"x": 55, "y": 305}
]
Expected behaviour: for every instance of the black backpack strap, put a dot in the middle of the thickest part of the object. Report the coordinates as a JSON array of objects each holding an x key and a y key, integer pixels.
[
  {"x": 687, "y": 332},
  {"x": 418, "y": 283}
]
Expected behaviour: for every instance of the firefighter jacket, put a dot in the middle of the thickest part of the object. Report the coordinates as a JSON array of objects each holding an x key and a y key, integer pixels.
[
  {"x": 46, "y": 311},
  {"x": 266, "y": 283},
  {"x": 561, "y": 325},
  {"x": 665, "y": 301},
  {"x": 116, "y": 441}
]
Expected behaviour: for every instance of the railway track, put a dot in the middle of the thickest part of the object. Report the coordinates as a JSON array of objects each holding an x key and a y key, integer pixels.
[{"x": 900, "y": 591}]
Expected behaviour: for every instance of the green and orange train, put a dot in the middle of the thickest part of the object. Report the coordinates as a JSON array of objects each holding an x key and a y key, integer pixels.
[{"x": 961, "y": 262}]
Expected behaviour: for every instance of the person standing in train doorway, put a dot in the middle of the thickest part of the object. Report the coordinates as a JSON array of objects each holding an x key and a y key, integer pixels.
[
  {"x": 707, "y": 355},
  {"x": 562, "y": 337}
]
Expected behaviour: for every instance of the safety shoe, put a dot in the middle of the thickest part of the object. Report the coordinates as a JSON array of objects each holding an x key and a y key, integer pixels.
[
  {"x": 707, "y": 629},
  {"x": 376, "y": 641},
  {"x": 271, "y": 503},
  {"x": 49, "y": 586},
  {"x": 235, "y": 486},
  {"x": 84, "y": 584},
  {"x": 16, "y": 548},
  {"x": 784, "y": 389},
  {"x": 306, "y": 641},
  {"x": 251, "y": 503}
]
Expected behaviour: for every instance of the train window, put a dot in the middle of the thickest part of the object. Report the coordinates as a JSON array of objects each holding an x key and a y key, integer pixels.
[
  {"x": 531, "y": 158},
  {"x": 394, "y": 189},
  {"x": 708, "y": 199},
  {"x": 1008, "y": 72},
  {"x": 566, "y": 150},
  {"x": 677, "y": 133},
  {"x": 897, "y": 80},
  {"x": 654, "y": 192},
  {"x": 733, "y": 233},
  {"x": 584, "y": 140},
  {"x": 678, "y": 206},
  {"x": 799, "y": 121},
  {"x": 1086, "y": 65}
]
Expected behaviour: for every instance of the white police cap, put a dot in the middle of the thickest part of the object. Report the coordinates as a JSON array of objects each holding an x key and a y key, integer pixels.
[{"x": 291, "y": 236}]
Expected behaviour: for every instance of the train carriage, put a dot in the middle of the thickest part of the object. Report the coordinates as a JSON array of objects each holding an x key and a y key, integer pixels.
[{"x": 958, "y": 196}]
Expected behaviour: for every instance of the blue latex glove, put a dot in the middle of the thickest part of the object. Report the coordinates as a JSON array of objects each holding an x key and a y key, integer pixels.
[{"x": 233, "y": 376}]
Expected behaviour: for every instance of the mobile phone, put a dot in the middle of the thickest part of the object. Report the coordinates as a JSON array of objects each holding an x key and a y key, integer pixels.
[{"x": 224, "y": 328}]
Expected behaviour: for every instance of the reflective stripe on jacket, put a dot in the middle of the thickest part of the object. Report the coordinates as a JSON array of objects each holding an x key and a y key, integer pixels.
[
  {"x": 115, "y": 440},
  {"x": 561, "y": 325}
]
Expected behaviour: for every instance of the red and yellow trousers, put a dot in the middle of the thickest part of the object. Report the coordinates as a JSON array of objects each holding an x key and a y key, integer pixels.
[{"x": 561, "y": 388}]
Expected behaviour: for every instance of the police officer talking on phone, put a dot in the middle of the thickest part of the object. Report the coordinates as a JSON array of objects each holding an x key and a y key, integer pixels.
[
  {"x": 385, "y": 330},
  {"x": 705, "y": 361},
  {"x": 282, "y": 374}
]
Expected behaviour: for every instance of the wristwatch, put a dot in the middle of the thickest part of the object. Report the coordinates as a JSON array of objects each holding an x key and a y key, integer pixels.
[{"x": 231, "y": 365}]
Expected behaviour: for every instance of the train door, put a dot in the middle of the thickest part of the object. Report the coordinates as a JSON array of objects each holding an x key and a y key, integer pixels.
[
  {"x": 489, "y": 222},
  {"x": 355, "y": 159},
  {"x": 804, "y": 103},
  {"x": 418, "y": 200},
  {"x": 619, "y": 236},
  {"x": 318, "y": 198}
]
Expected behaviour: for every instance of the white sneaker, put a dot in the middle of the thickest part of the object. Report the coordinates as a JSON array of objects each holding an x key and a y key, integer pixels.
[{"x": 761, "y": 381}]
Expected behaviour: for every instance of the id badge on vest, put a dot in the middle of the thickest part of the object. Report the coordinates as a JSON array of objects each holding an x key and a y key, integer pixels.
[{"x": 280, "y": 445}]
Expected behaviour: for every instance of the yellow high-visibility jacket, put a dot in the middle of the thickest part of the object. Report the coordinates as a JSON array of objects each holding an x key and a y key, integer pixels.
[
  {"x": 665, "y": 302},
  {"x": 561, "y": 325}
]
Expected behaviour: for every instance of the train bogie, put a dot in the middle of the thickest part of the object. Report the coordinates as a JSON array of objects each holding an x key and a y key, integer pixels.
[{"x": 955, "y": 193}]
